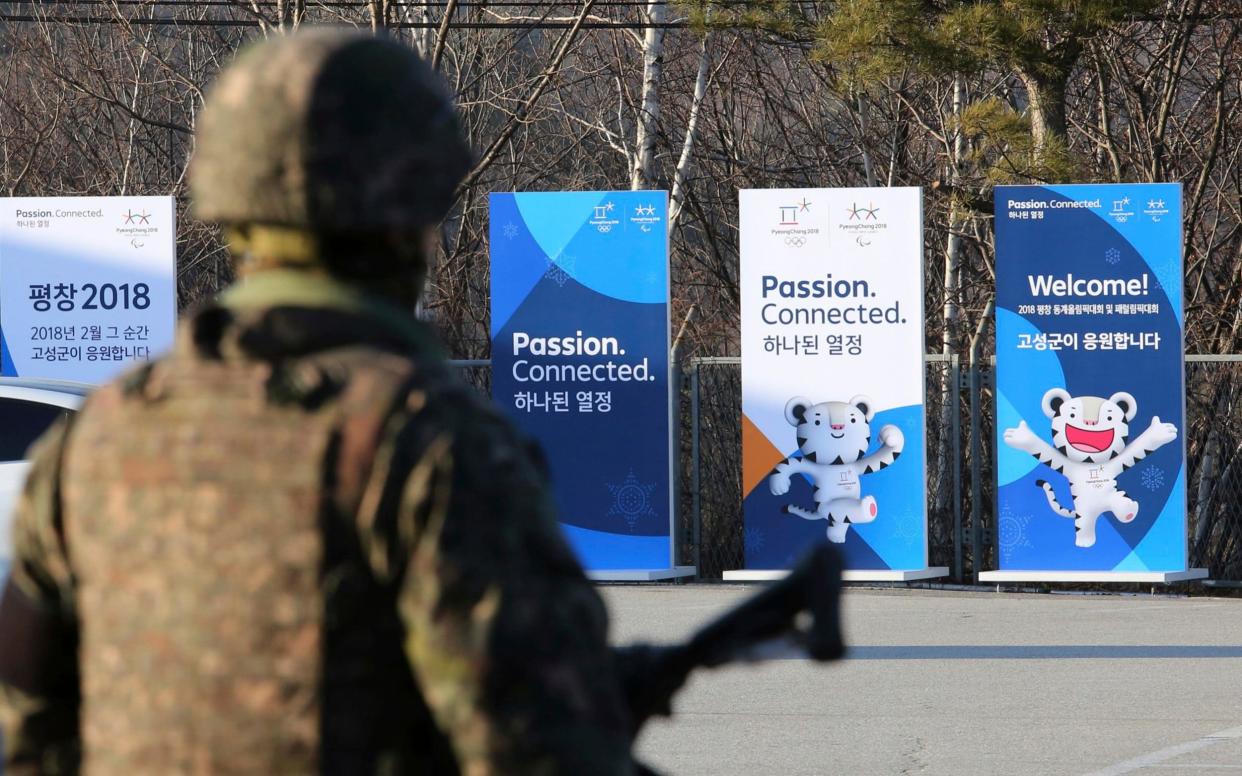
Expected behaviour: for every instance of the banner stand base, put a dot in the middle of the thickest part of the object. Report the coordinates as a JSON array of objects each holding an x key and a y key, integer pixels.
[
  {"x": 640, "y": 575},
  {"x": 1162, "y": 577},
  {"x": 849, "y": 575}
]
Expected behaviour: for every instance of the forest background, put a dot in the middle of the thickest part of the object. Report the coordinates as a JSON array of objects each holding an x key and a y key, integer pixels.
[{"x": 703, "y": 98}]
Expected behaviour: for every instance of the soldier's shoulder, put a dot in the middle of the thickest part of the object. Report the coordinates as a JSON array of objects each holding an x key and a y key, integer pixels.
[
  {"x": 461, "y": 408},
  {"x": 427, "y": 391},
  {"x": 439, "y": 401}
]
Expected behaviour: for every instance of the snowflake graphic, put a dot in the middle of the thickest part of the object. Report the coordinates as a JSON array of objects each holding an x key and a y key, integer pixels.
[
  {"x": 752, "y": 539},
  {"x": 558, "y": 271},
  {"x": 631, "y": 499},
  {"x": 1112, "y": 256},
  {"x": 907, "y": 531},
  {"x": 1171, "y": 268},
  {"x": 1153, "y": 478},
  {"x": 510, "y": 230},
  {"x": 1012, "y": 530}
]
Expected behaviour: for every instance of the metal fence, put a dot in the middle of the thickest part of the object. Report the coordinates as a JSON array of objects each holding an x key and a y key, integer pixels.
[{"x": 963, "y": 528}]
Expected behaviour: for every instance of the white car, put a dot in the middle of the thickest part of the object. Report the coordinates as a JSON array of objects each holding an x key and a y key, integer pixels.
[{"x": 27, "y": 408}]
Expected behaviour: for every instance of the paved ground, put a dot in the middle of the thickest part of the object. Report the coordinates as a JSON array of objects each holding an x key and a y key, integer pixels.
[{"x": 962, "y": 683}]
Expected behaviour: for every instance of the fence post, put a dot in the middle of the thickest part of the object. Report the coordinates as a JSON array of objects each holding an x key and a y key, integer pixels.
[
  {"x": 675, "y": 378},
  {"x": 976, "y": 474},
  {"x": 955, "y": 433},
  {"x": 695, "y": 508}
]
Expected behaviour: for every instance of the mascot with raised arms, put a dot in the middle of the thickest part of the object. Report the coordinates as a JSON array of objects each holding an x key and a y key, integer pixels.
[
  {"x": 1090, "y": 436},
  {"x": 833, "y": 438}
]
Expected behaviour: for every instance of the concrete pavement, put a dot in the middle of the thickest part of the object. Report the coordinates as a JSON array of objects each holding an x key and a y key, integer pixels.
[{"x": 961, "y": 683}]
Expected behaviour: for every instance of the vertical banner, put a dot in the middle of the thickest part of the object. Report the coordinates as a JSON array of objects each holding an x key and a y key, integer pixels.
[
  {"x": 580, "y": 361},
  {"x": 832, "y": 376},
  {"x": 87, "y": 284},
  {"x": 1089, "y": 382}
]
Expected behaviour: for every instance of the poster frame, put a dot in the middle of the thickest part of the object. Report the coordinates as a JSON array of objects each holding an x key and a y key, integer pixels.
[
  {"x": 916, "y": 572},
  {"x": 671, "y": 569},
  {"x": 1185, "y": 573}
]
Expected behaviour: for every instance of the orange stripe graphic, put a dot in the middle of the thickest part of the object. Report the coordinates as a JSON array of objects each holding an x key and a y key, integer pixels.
[{"x": 758, "y": 456}]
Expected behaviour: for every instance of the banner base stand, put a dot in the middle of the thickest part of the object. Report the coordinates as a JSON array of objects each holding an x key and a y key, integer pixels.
[
  {"x": 640, "y": 575},
  {"x": 1163, "y": 577},
  {"x": 849, "y": 575}
]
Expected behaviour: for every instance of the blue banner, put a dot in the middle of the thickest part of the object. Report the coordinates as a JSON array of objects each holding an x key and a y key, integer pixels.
[
  {"x": 580, "y": 361},
  {"x": 1089, "y": 381}
]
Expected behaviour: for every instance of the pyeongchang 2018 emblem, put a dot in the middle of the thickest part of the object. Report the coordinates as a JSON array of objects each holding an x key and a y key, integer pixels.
[
  {"x": 603, "y": 219},
  {"x": 136, "y": 225},
  {"x": 645, "y": 218},
  {"x": 862, "y": 222},
  {"x": 790, "y": 227},
  {"x": 136, "y": 218}
]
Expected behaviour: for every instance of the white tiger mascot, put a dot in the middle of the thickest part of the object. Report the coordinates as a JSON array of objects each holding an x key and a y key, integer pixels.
[
  {"x": 1089, "y": 436},
  {"x": 834, "y": 437}
]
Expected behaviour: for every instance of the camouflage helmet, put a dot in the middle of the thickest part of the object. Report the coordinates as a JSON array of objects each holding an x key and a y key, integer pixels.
[{"x": 330, "y": 131}]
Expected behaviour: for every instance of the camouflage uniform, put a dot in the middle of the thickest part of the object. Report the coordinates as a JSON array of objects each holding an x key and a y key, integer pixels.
[
  {"x": 298, "y": 544},
  {"x": 294, "y": 543}
]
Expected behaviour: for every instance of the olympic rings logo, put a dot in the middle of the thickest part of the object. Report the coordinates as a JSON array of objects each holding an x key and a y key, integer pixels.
[{"x": 794, "y": 241}]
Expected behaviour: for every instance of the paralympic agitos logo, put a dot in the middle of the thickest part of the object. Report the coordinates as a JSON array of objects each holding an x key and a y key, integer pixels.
[
  {"x": 857, "y": 213},
  {"x": 862, "y": 220},
  {"x": 136, "y": 225}
]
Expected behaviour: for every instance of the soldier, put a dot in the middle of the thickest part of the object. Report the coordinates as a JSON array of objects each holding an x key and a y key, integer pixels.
[{"x": 296, "y": 543}]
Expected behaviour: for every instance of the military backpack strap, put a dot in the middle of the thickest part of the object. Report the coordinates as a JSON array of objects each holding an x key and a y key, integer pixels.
[
  {"x": 29, "y": 632},
  {"x": 372, "y": 396},
  {"x": 372, "y": 448},
  {"x": 35, "y": 635}
]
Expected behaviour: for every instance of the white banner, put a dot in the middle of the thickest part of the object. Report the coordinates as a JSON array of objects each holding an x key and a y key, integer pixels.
[
  {"x": 832, "y": 375},
  {"x": 87, "y": 284}
]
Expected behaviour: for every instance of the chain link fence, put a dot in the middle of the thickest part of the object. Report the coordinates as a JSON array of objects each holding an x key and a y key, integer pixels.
[
  {"x": 1214, "y": 464},
  {"x": 477, "y": 373},
  {"x": 713, "y": 537},
  {"x": 961, "y": 455}
]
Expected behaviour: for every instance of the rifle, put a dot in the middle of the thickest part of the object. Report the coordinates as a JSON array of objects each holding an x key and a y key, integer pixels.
[{"x": 802, "y": 610}]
